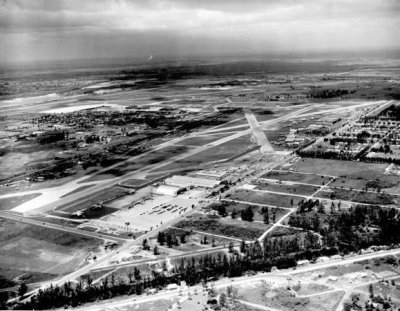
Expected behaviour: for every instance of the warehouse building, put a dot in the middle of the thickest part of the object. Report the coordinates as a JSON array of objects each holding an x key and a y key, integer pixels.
[
  {"x": 187, "y": 181},
  {"x": 169, "y": 190},
  {"x": 211, "y": 175}
]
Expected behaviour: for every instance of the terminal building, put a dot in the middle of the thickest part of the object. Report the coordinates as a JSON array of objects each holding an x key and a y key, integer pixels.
[{"x": 188, "y": 181}]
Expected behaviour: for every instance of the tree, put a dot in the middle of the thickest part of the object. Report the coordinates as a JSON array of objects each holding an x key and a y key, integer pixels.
[
  {"x": 266, "y": 218},
  {"x": 183, "y": 238},
  {"x": 231, "y": 247},
  {"x": 22, "y": 289},
  {"x": 156, "y": 251},
  {"x": 161, "y": 238},
  {"x": 233, "y": 214},
  {"x": 243, "y": 247},
  {"x": 136, "y": 274},
  {"x": 222, "y": 299},
  {"x": 145, "y": 245}
]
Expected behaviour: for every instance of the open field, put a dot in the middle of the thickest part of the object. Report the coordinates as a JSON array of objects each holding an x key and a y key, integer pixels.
[
  {"x": 278, "y": 293},
  {"x": 297, "y": 177},
  {"x": 200, "y": 140},
  {"x": 358, "y": 196},
  {"x": 77, "y": 190},
  {"x": 101, "y": 197},
  {"x": 9, "y": 203},
  {"x": 149, "y": 159},
  {"x": 298, "y": 189},
  {"x": 194, "y": 240},
  {"x": 352, "y": 174},
  {"x": 265, "y": 198},
  {"x": 223, "y": 152},
  {"x": 27, "y": 248},
  {"x": 135, "y": 182},
  {"x": 280, "y": 231},
  {"x": 223, "y": 226}
]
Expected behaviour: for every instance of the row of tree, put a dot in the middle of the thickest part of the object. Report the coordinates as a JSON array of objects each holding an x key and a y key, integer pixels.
[{"x": 254, "y": 257}]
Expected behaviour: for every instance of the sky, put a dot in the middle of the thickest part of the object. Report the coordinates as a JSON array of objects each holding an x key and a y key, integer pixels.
[{"x": 49, "y": 30}]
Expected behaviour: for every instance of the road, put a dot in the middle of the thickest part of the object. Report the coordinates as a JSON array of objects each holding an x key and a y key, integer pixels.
[
  {"x": 131, "y": 301},
  {"x": 107, "y": 183}
]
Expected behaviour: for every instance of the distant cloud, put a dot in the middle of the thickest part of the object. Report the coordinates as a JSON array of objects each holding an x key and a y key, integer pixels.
[{"x": 189, "y": 26}]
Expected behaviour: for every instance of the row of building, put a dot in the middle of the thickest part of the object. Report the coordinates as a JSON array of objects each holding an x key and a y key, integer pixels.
[{"x": 202, "y": 179}]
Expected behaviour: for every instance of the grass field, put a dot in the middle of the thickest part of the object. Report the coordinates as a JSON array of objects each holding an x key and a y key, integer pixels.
[
  {"x": 298, "y": 189},
  {"x": 148, "y": 159},
  {"x": 9, "y": 203},
  {"x": 353, "y": 174},
  {"x": 45, "y": 252},
  {"x": 135, "y": 182},
  {"x": 265, "y": 198},
  {"x": 200, "y": 140},
  {"x": 101, "y": 196},
  {"x": 297, "y": 177},
  {"x": 357, "y": 196},
  {"x": 325, "y": 302},
  {"x": 225, "y": 227},
  {"x": 283, "y": 231},
  {"x": 77, "y": 190}
]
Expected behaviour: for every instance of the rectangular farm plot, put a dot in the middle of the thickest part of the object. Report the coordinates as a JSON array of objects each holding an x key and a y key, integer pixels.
[
  {"x": 266, "y": 198},
  {"x": 224, "y": 226},
  {"x": 305, "y": 178},
  {"x": 298, "y": 189}
]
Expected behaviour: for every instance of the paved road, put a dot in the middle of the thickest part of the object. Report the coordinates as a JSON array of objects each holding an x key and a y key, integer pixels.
[
  {"x": 76, "y": 196},
  {"x": 234, "y": 282}
]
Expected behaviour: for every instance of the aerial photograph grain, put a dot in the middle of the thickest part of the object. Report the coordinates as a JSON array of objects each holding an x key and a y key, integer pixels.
[{"x": 232, "y": 155}]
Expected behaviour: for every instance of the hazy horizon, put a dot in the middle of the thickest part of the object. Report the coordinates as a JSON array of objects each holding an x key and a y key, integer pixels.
[{"x": 40, "y": 31}]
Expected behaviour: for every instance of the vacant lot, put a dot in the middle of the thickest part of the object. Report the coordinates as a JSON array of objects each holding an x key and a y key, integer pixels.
[
  {"x": 265, "y": 198},
  {"x": 353, "y": 174},
  {"x": 9, "y": 203},
  {"x": 44, "y": 252},
  {"x": 297, "y": 177},
  {"x": 325, "y": 302},
  {"x": 283, "y": 231},
  {"x": 226, "y": 227},
  {"x": 298, "y": 189},
  {"x": 357, "y": 196}
]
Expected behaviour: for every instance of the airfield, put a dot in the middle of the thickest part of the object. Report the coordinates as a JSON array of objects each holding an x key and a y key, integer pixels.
[{"x": 94, "y": 221}]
